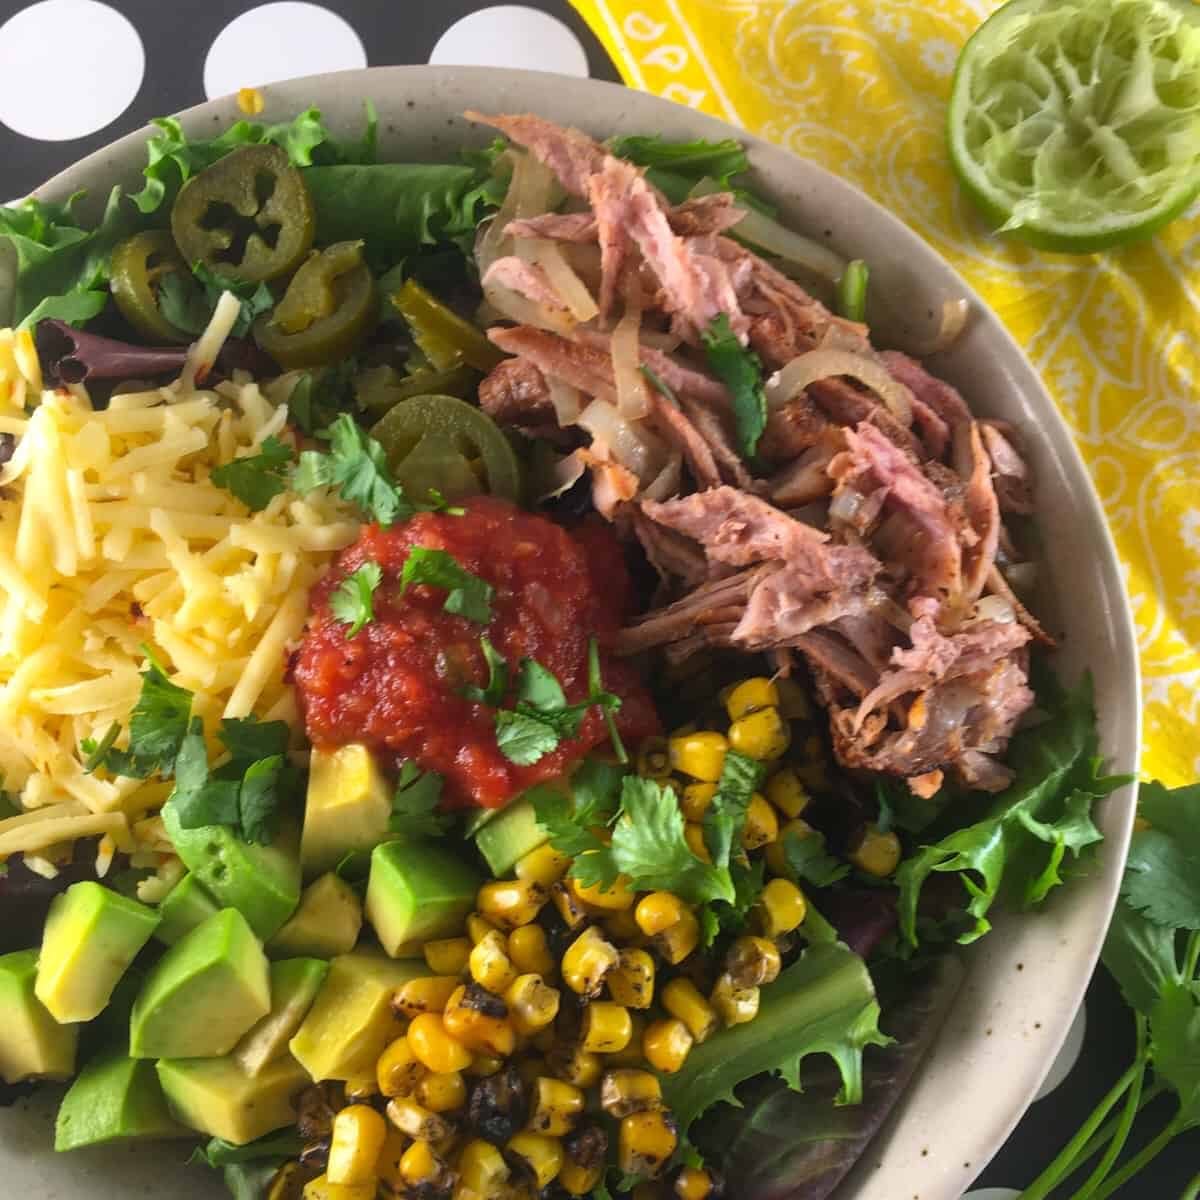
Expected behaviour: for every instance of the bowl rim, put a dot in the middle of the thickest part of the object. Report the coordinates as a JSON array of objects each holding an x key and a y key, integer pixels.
[{"x": 615, "y": 103}]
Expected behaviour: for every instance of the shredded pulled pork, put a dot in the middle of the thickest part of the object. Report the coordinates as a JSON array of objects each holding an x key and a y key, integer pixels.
[{"x": 894, "y": 589}]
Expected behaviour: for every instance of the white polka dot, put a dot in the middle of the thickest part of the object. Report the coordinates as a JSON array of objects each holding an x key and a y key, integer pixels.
[
  {"x": 280, "y": 41},
  {"x": 511, "y": 35},
  {"x": 67, "y": 68},
  {"x": 992, "y": 1194},
  {"x": 1068, "y": 1056}
]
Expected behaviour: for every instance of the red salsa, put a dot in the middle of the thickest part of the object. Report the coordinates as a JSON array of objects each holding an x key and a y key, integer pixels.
[{"x": 396, "y": 685}]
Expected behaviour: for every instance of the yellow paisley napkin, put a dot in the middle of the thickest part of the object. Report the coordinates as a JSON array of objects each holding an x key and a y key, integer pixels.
[{"x": 861, "y": 87}]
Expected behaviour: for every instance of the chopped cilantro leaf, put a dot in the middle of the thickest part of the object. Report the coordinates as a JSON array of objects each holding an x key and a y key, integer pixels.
[
  {"x": 609, "y": 703},
  {"x": 415, "y": 802},
  {"x": 439, "y": 503},
  {"x": 351, "y": 602},
  {"x": 809, "y": 863},
  {"x": 493, "y": 693},
  {"x": 524, "y": 739},
  {"x": 538, "y": 687},
  {"x": 256, "y": 479},
  {"x": 189, "y": 304},
  {"x": 198, "y": 799},
  {"x": 248, "y": 739},
  {"x": 258, "y": 803},
  {"x": 726, "y": 814},
  {"x": 468, "y": 595},
  {"x": 357, "y": 466},
  {"x": 570, "y": 825},
  {"x": 660, "y": 385},
  {"x": 741, "y": 372},
  {"x": 317, "y": 397}
]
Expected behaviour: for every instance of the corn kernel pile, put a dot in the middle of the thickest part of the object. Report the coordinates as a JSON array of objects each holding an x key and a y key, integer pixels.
[{"x": 547, "y": 1023}]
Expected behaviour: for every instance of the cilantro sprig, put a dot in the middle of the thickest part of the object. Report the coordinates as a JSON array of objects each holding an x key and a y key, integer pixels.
[
  {"x": 352, "y": 601},
  {"x": 740, "y": 370},
  {"x": 415, "y": 802},
  {"x": 189, "y": 304},
  {"x": 256, "y": 479},
  {"x": 493, "y": 692},
  {"x": 467, "y": 595}
]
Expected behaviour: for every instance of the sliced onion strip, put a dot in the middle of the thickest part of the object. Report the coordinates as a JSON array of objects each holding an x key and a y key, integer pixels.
[
  {"x": 954, "y": 320},
  {"x": 632, "y": 446},
  {"x": 567, "y": 400},
  {"x": 530, "y": 191},
  {"x": 807, "y": 368},
  {"x": 541, "y": 252},
  {"x": 515, "y": 307},
  {"x": 632, "y": 398}
]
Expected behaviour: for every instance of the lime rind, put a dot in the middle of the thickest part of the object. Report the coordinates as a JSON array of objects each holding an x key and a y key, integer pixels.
[{"x": 1075, "y": 124}]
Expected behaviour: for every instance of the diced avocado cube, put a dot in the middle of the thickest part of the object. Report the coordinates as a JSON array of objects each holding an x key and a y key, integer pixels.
[
  {"x": 509, "y": 836},
  {"x": 92, "y": 934},
  {"x": 33, "y": 1045},
  {"x": 114, "y": 1098},
  {"x": 294, "y": 986},
  {"x": 348, "y": 807},
  {"x": 203, "y": 994},
  {"x": 417, "y": 891},
  {"x": 215, "y": 1096},
  {"x": 351, "y": 1020},
  {"x": 261, "y": 882},
  {"x": 184, "y": 907},
  {"x": 326, "y": 924}
]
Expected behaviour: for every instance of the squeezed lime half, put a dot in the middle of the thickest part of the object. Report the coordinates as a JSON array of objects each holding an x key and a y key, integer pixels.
[{"x": 1075, "y": 124}]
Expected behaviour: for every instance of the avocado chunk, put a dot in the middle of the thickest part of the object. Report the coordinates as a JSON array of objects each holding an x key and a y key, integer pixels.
[
  {"x": 326, "y": 924},
  {"x": 92, "y": 934},
  {"x": 510, "y": 835},
  {"x": 33, "y": 1045},
  {"x": 215, "y": 1096},
  {"x": 261, "y": 882},
  {"x": 351, "y": 1020},
  {"x": 114, "y": 1098},
  {"x": 294, "y": 986},
  {"x": 184, "y": 907},
  {"x": 417, "y": 891},
  {"x": 347, "y": 808},
  {"x": 203, "y": 994}
]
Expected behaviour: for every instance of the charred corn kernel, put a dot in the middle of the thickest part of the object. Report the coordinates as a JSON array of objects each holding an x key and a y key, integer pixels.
[
  {"x": 510, "y": 903},
  {"x": 322, "y": 1188},
  {"x": 587, "y": 962},
  {"x": 529, "y": 951},
  {"x": 424, "y": 995},
  {"x": 631, "y": 981},
  {"x": 693, "y": 834},
  {"x": 700, "y": 755},
  {"x": 696, "y": 799},
  {"x": 542, "y": 1155},
  {"x": 631, "y": 1056},
  {"x": 750, "y": 695},
  {"x": 572, "y": 912},
  {"x": 658, "y": 911},
  {"x": 752, "y": 961},
  {"x": 682, "y": 999},
  {"x": 776, "y": 853},
  {"x": 417, "y": 1121},
  {"x": 786, "y": 791},
  {"x": 735, "y": 1005},
  {"x": 557, "y": 1105},
  {"x": 622, "y": 926},
  {"x": 878, "y": 853},
  {"x": 666, "y": 1044},
  {"x": 653, "y": 758},
  {"x": 781, "y": 907},
  {"x": 442, "y": 1092},
  {"x": 479, "y": 1031},
  {"x": 531, "y": 1004},
  {"x": 579, "y": 1180},
  {"x": 445, "y": 1147},
  {"x": 478, "y": 927},
  {"x": 762, "y": 825},
  {"x": 482, "y": 1169},
  {"x": 420, "y": 1165},
  {"x": 434, "y": 1046},
  {"x": 646, "y": 1142},
  {"x": 483, "y": 1065},
  {"x": 399, "y": 1070},
  {"x": 793, "y": 700},
  {"x": 489, "y": 963},
  {"x": 606, "y": 1028},
  {"x": 545, "y": 865},
  {"x": 616, "y": 899},
  {"x": 763, "y": 735},
  {"x": 388, "y": 1166},
  {"x": 694, "y": 1183},
  {"x": 357, "y": 1139},
  {"x": 625, "y": 1091},
  {"x": 361, "y": 1089},
  {"x": 575, "y": 1065},
  {"x": 677, "y": 941},
  {"x": 447, "y": 956}
]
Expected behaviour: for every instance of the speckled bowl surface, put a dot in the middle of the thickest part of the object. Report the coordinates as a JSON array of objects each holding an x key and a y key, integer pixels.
[{"x": 1025, "y": 980}]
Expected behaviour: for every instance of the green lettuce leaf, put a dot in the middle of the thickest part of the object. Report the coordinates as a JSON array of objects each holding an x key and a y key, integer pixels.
[
  {"x": 824, "y": 1003},
  {"x": 676, "y": 167},
  {"x": 1021, "y": 842}
]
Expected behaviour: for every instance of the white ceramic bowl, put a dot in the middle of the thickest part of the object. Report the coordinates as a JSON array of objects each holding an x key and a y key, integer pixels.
[{"x": 1025, "y": 980}]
